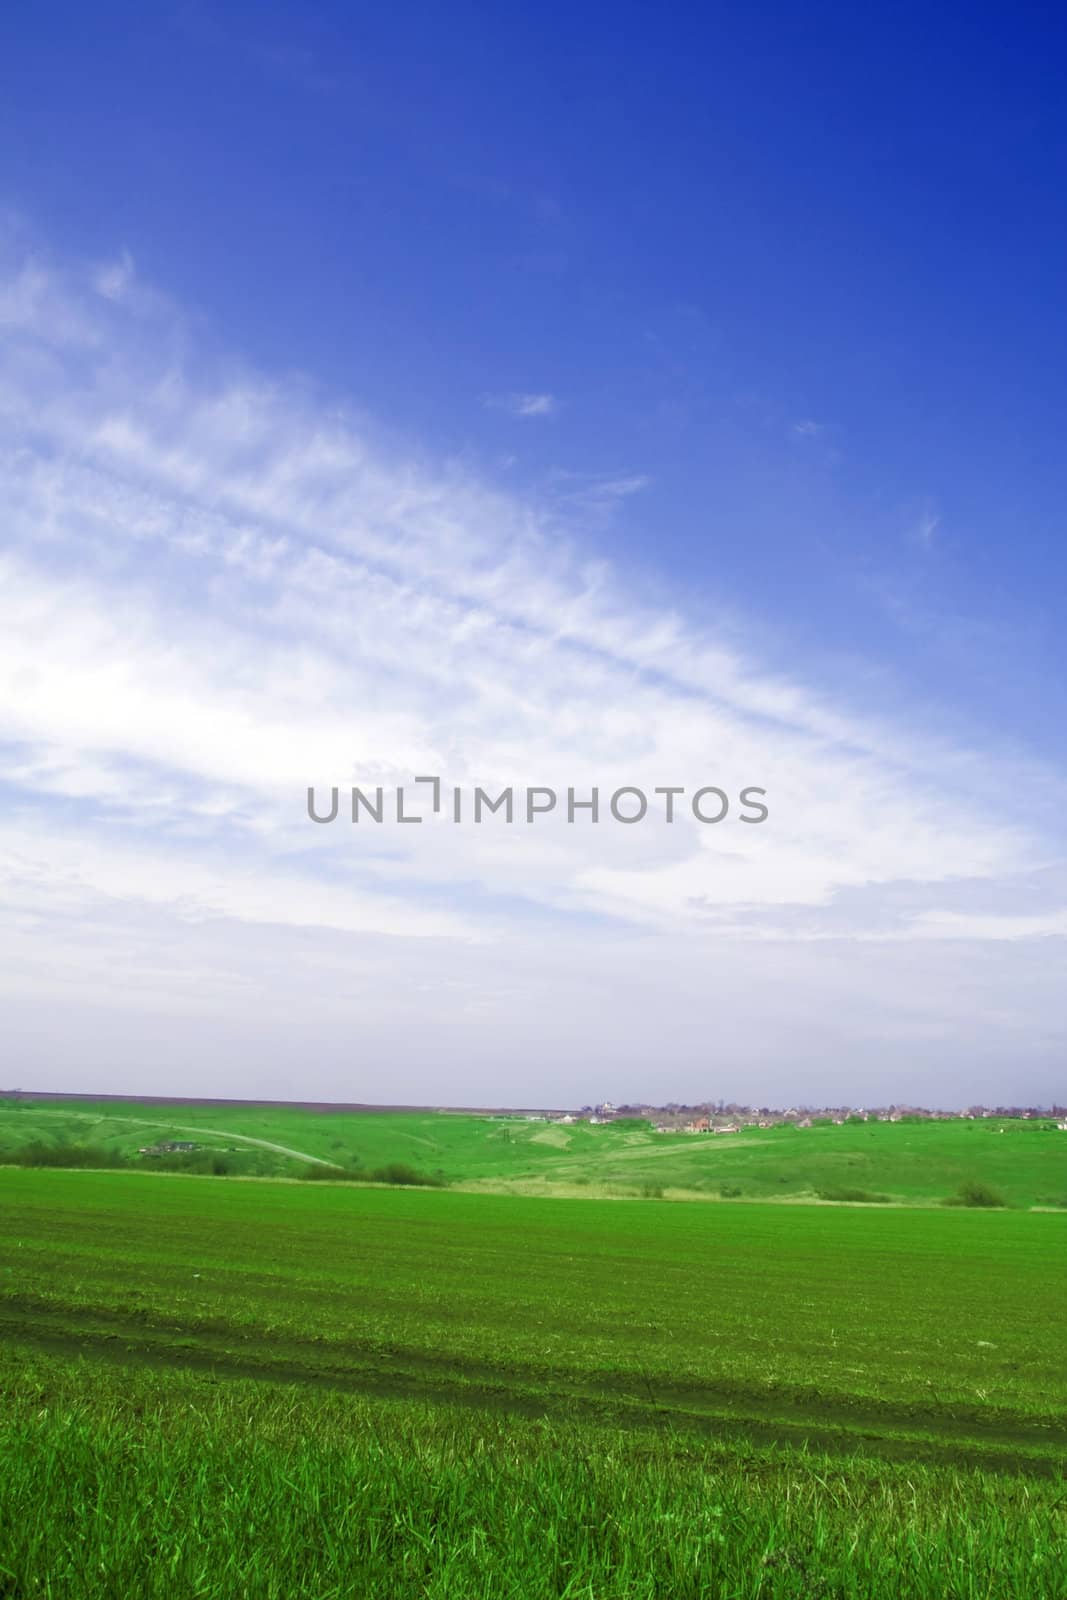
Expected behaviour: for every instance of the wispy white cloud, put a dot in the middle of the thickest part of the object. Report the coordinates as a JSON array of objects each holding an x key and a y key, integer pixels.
[
  {"x": 925, "y": 527},
  {"x": 114, "y": 278},
  {"x": 617, "y": 488},
  {"x": 595, "y": 496},
  {"x": 523, "y": 405},
  {"x": 217, "y": 589}
]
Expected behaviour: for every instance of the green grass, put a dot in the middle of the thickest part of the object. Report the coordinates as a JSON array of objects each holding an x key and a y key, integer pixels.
[
  {"x": 160, "y": 1483},
  {"x": 224, "y": 1390},
  {"x": 944, "y": 1326},
  {"x": 911, "y": 1163}
]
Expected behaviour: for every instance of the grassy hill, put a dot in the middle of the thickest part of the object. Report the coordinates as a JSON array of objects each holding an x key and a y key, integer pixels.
[{"x": 917, "y": 1163}]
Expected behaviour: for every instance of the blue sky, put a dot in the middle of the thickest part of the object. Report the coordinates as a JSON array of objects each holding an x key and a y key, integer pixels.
[{"x": 520, "y": 394}]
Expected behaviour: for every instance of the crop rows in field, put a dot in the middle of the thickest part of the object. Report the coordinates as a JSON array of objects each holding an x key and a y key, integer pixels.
[
  {"x": 283, "y": 1390},
  {"x": 945, "y": 1329}
]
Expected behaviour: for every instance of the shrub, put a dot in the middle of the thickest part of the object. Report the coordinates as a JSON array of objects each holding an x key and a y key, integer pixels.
[
  {"x": 201, "y": 1163},
  {"x": 322, "y": 1174},
  {"x": 976, "y": 1194},
  {"x": 41, "y": 1154},
  {"x": 651, "y": 1191},
  {"x": 862, "y": 1197},
  {"x": 730, "y": 1191},
  {"x": 400, "y": 1172}
]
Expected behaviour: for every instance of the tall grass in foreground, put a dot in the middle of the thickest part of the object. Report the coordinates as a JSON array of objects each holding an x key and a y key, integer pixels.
[{"x": 120, "y": 1483}]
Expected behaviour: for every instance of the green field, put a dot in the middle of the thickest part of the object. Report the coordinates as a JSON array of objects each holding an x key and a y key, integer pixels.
[
  {"x": 923, "y": 1162},
  {"x": 272, "y": 1389}
]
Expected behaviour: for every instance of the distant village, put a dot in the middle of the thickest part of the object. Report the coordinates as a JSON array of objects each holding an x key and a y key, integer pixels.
[
  {"x": 721, "y": 1117},
  {"x": 710, "y": 1117}
]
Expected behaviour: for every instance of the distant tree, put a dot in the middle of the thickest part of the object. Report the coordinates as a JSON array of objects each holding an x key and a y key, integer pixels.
[
  {"x": 977, "y": 1195},
  {"x": 39, "y": 1153}
]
